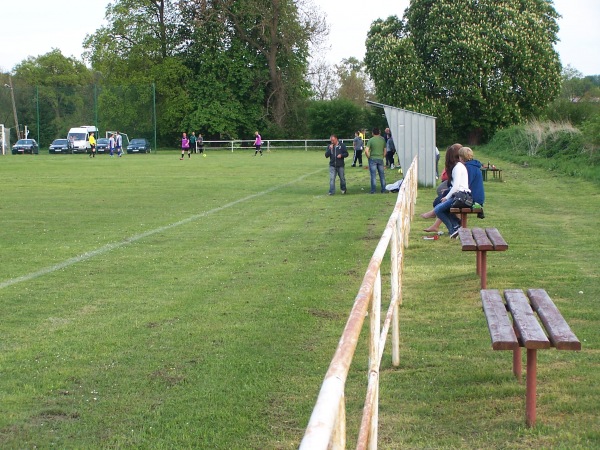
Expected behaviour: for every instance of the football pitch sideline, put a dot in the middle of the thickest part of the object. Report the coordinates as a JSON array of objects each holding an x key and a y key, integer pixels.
[{"x": 148, "y": 299}]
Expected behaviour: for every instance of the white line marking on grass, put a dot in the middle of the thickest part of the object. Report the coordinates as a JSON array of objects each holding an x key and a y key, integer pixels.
[{"x": 109, "y": 247}]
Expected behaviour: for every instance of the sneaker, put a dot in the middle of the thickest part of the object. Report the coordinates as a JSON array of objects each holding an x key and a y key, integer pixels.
[
  {"x": 392, "y": 166},
  {"x": 454, "y": 234},
  {"x": 353, "y": 165},
  {"x": 343, "y": 192}
]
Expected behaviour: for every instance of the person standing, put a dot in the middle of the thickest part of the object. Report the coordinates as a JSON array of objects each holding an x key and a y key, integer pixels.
[
  {"x": 257, "y": 143},
  {"x": 92, "y": 145},
  {"x": 185, "y": 145},
  {"x": 336, "y": 152},
  {"x": 193, "y": 142},
  {"x": 200, "y": 143},
  {"x": 375, "y": 151},
  {"x": 358, "y": 144},
  {"x": 391, "y": 151},
  {"x": 119, "y": 144},
  {"x": 111, "y": 145},
  {"x": 362, "y": 134},
  {"x": 437, "y": 162}
]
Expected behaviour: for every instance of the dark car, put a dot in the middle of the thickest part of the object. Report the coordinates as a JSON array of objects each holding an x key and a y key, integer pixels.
[
  {"x": 138, "y": 146},
  {"x": 60, "y": 146},
  {"x": 102, "y": 145},
  {"x": 25, "y": 146}
]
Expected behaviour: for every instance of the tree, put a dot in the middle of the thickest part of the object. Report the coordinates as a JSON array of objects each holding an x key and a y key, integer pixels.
[
  {"x": 341, "y": 117},
  {"x": 578, "y": 99},
  {"x": 485, "y": 64},
  {"x": 60, "y": 86},
  {"x": 138, "y": 48},
  {"x": 353, "y": 81},
  {"x": 323, "y": 80},
  {"x": 279, "y": 31}
]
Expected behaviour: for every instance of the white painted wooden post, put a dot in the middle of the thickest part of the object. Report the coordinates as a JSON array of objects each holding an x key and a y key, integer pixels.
[{"x": 375, "y": 331}]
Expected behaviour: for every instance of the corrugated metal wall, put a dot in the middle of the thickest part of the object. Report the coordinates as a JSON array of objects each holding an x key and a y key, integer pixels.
[{"x": 413, "y": 134}]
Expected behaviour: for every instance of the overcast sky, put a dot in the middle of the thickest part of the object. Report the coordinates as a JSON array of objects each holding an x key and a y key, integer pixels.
[{"x": 35, "y": 27}]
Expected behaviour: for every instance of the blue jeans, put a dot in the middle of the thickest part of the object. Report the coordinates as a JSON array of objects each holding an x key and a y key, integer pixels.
[
  {"x": 333, "y": 171},
  {"x": 376, "y": 165},
  {"x": 442, "y": 211}
]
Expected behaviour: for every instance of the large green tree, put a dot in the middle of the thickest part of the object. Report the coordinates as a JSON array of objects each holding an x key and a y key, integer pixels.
[
  {"x": 136, "y": 51},
  {"x": 59, "y": 89},
  {"x": 277, "y": 33},
  {"x": 354, "y": 82},
  {"x": 221, "y": 67},
  {"x": 482, "y": 64}
]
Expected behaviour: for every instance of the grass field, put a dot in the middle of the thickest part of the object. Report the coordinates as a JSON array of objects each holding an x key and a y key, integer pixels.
[{"x": 149, "y": 302}]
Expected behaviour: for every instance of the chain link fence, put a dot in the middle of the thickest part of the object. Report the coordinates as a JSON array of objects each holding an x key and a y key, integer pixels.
[{"x": 48, "y": 112}]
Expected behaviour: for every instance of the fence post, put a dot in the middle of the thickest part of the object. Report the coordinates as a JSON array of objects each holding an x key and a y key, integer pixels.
[{"x": 375, "y": 328}]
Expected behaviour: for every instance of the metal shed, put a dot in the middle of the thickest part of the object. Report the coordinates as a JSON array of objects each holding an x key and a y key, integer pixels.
[{"x": 413, "y": 134}]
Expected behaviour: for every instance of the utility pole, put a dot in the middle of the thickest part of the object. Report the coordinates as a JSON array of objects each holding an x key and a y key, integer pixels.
[{"x": 12, "y": 96}]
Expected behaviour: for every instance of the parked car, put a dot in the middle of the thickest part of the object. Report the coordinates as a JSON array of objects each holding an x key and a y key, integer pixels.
[
  {"x": 25, "y": 146},
  {"x": 102, "y": 145},
  {"x": 60, "y": 146},
  {"x": 138, "y": 146}
]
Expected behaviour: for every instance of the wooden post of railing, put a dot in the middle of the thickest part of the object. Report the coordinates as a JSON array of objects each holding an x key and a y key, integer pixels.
[
  {"x": 375, "y": 327},
  {"x": 396, "y": 286}
]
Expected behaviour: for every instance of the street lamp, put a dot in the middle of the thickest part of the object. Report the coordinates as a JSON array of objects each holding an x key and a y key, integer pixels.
[{"x": 12, "y": 97}]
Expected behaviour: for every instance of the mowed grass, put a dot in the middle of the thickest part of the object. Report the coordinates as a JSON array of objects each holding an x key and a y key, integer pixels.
[{"x": 149, "y": 302}]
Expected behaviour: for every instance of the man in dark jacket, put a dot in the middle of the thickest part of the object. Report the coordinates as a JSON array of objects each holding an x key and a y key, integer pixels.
[{"x": 336, "y": 152}]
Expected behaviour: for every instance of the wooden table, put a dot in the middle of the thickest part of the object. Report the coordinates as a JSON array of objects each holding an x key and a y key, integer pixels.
[
  {"x": 485, "y": 170},
  {"x": 525, "y": 331},
  {"x": 482, "y": 241}
]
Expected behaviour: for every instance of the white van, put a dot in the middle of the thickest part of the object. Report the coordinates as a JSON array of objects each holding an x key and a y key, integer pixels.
[{"x": 79, "y": 138}]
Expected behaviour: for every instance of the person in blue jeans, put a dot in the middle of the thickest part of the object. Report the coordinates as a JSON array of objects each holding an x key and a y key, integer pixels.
[
  {"x": 460, "y": 182},
  {"x": 376, "y": 151},
  {"x": 336, "y": 152}
]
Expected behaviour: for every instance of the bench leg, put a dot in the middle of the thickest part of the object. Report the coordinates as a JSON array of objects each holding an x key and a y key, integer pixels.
[
  {"x": 517, "y": 364},
  {"x": 463, "y": 220},
  {"x": 483, "y": 268},
  {"x": 530, "y": 399}
]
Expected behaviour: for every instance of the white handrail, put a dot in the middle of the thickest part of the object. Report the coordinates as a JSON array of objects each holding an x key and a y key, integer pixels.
[
  {"x": 280, "y": 144},
  {"x": 327, "y": 425}
]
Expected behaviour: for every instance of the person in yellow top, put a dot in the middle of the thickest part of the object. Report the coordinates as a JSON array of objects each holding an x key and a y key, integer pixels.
[{"x": 92, "y": 145}]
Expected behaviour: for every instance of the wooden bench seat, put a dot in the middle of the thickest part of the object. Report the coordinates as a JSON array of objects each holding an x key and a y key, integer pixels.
[
  {"x": 524, "y": 330},
  {"x": 464, "y": 214},
  {"x": 481, "y": 241}
]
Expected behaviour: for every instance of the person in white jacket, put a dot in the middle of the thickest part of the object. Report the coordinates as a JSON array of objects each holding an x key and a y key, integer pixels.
[{"x": 460, "y": 182}]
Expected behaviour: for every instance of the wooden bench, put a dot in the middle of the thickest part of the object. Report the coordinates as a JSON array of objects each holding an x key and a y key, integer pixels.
[
  {"x": 464, "y": 213},
  {"x": 481, "y": 241},
  {"x": 525, "y": 331}
]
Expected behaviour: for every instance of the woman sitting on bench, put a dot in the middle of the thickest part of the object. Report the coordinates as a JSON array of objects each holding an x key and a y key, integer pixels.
[
  {"x": 460, "y": 183},
  {"x": 475, "y": 177}
]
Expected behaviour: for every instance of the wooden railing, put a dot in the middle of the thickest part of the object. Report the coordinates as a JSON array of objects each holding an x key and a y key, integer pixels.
[{"x": 327, "y": 426}]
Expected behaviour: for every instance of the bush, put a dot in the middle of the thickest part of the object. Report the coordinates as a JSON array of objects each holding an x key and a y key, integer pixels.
[{"x": 558, "y": 146}]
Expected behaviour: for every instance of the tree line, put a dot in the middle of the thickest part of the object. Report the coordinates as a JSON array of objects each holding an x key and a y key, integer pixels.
[{"x": 229, "y": 67}]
